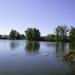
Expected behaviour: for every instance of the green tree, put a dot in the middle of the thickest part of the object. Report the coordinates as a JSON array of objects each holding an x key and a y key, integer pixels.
[
  {"x": 14, "y": 34},
  {"x": 72, "y": 34},
  {"x": 22, "y": 36},
  {"x": 32, "y": 34},
  {"x": 51, "y": 37},
  {"x": 1, "y": 36},
  {"x": 62, "y": 33},
  {"x": 5, "y": 36}
]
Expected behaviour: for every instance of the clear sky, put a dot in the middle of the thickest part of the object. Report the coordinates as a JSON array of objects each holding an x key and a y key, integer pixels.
[{"x": 42, "y": 14}]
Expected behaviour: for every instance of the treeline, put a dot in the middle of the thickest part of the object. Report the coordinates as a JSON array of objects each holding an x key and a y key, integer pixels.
[
  {"x": 13, "y": 35},
  {"x": 61, "y": 33}
]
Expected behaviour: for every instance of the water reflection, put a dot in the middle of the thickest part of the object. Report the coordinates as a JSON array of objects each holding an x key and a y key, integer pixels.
[
  {"x": 61, "y": 49},
  {"x": 32, "y": 47},
  {"x": 72, "y": 46},
  {"x": 14, "y": 44}
]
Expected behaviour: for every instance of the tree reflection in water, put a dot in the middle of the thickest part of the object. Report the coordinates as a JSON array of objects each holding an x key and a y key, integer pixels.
[
  {"x": 72, "y": 63},
  {"x": 32, "y": 47},
  {"x": 72, "y": 46},
  {"x": 14, "y": 44},
  {"x": 61, "y": 49}
]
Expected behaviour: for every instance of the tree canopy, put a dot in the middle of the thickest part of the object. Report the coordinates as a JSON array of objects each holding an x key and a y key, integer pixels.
[
  {"x": 32, "y": 34},
  {"x": 51, "y": 37},
  {"x": 62, "y": 32},
  {"x": 14, "y": 34},
  {"x": 72, "y": 34}
]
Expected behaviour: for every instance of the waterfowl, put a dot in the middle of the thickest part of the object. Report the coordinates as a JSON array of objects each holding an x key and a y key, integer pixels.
[{"x": 45, "y": 54}]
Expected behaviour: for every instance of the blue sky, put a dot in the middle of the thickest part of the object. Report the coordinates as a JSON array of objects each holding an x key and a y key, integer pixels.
[{"x": 45, "y": 15}]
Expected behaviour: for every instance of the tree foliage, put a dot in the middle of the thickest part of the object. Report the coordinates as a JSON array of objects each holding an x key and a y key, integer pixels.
[
  {"x": 0, "y": 36},
  {"x": 51, "y": 37},
  {"x": 62, "y": 33},
  {"x": 14, "y": 34},
  {"x": 32, "y": 34},
  {"x": 72, "y": 34}
]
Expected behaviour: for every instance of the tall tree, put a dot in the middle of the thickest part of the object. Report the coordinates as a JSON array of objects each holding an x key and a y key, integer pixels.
[
  {"x": 1, "y": 36},
  {"x": 62, "y": 32},
  {"x": 14, "y": 34},
  {"x": 32, "y": 34},
  {"x": 72, "y": 34}
]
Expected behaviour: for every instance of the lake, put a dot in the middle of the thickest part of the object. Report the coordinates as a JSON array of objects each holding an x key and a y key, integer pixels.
[{"x": 21, "y": 57}]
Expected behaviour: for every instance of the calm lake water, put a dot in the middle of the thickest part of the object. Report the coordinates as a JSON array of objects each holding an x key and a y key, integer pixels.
[{"x": 21, "y": 57}]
